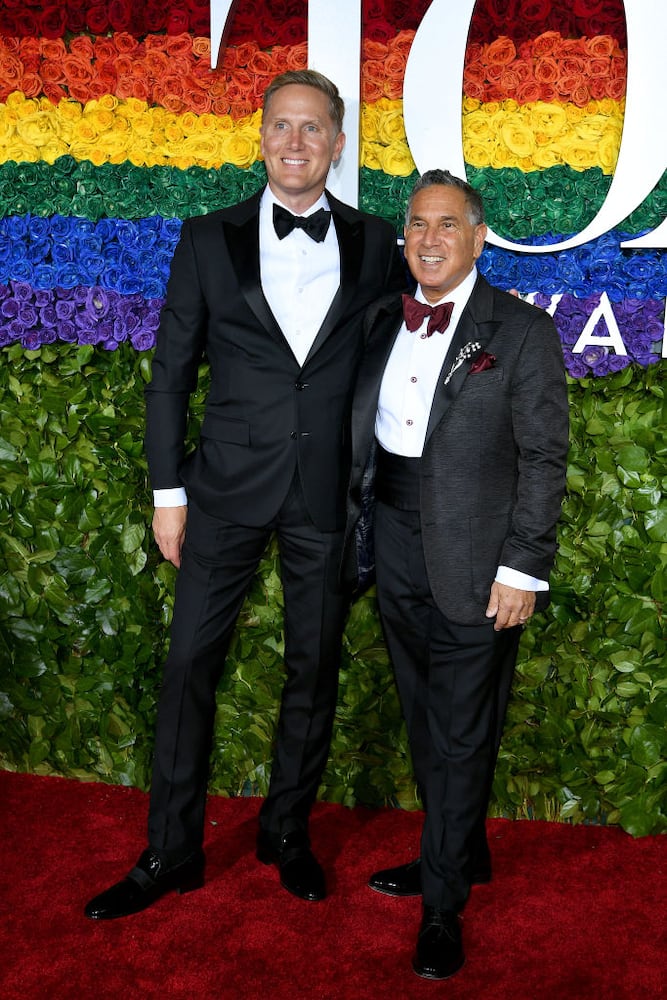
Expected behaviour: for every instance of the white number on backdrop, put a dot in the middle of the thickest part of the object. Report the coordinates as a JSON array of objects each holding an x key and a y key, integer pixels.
[
  {"x": 432, "y": 101},
  {"x": 432, "y": 112}
]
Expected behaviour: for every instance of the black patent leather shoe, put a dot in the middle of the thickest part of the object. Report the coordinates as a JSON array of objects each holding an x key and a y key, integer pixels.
[
  {"x": 300, "y": 872},
  {"x": 439, "y": 952},
  {"x": 405, "y": 880},
  {"x": 149, "y": 880}
]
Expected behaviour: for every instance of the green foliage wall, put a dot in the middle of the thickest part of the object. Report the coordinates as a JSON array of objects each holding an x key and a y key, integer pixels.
[{"x": 84, "y": 604}]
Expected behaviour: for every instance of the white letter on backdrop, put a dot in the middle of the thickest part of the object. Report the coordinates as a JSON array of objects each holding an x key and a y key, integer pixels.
[
  {"x": 334, "y": 48},
  {"x": 587, "y": 336},
  {"x": 432, "y": 112}
]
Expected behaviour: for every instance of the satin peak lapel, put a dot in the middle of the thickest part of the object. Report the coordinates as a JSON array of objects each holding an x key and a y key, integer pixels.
[
  {"x": 243, "y": 245},
  {"x": 351, "y": 249}
]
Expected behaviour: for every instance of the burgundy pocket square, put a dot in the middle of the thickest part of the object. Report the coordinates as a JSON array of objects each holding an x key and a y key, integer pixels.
[{"x": 482, "y": 363}]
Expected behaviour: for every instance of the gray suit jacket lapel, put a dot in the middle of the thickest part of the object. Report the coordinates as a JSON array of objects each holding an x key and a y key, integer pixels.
[{"x": 474, "y": 331}]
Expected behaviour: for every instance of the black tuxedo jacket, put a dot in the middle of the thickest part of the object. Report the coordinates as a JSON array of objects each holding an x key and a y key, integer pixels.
[
  {"x": 265, "y": 414},
  {"x": 494, "y": 462}
]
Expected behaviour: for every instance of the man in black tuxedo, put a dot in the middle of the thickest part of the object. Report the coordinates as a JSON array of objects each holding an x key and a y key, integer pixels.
[
  {"x": 272, "y": 293},
  {"x": 461, "y": 401}
]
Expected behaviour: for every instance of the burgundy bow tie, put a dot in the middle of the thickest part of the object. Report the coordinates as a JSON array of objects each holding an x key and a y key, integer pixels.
[{"x": 415, "y": 312}]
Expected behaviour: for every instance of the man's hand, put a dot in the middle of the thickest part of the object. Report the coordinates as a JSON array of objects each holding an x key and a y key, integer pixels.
[
  {"x": 509, "y": 605},
  {"x": 169, "y": 531}
]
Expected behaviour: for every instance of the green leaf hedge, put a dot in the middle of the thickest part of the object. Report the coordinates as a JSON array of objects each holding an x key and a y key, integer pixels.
[{"x": 85, "y": 601}]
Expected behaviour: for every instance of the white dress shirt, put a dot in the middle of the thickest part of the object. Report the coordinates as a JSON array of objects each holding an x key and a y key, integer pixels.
[
  {"x": 406, "y": 396},
  {"x": 299, "y": 279}
]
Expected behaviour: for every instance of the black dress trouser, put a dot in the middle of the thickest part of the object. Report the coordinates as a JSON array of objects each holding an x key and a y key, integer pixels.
[{"x": 218, "y": 562}]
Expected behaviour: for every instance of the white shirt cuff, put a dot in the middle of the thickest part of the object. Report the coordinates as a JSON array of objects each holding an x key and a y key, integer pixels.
[
  {"x": 174, "y": 497},
  {"x": 513, "y": 578}
]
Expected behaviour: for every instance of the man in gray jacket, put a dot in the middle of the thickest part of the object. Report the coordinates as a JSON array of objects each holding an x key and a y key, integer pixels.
[{"x": 462, "y": 400}]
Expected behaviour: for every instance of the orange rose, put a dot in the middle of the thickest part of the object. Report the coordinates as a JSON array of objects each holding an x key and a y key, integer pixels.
[
  {"x": 82, "y": 46},
  {"x": 54, "y": 92},
  {"x": 126, "y": 43},
  {"x": 220, "y": 106},
  {"x": 240, "y": 108},
  {"x": 546, "y": 70},
  {"x": 473, "y": 88},
  {"x": 500, "y": 52},
  {"x": 179, "y": 45},
  {"x": 261, "y": 62},
  {"x": 528, "y": 92},
  {"x": 298, "y": 56},
  {"x": 474, "y": 52},
  {"x": 394, "y": 66},
  {"x": 581, "y": 94},
  {"x": 11, "y": 73},
  {"x": 393, "y": 89},
  {"x": 546, "y": 44},
  {"x": 201, "y": 47},
  {"x": 245, "y": 52},
  {"x": 31, "y": 84},
  {"x": 602, "y": 46},
  {"x": 372, "y": 50},
  {"x": 105, "y": 49},
  {"x": 371, "y": 90},
  {"x": 52, "y": 48},
  {"x": 548, "y": 93},
  {"x": 402, "y": 42},
  {"x": 53, "y": 71},
  {"x": 199, "y": 101},
  {"x": 76, "y": 70},
  {"x": 616, "y": 88},
  {"x": 157, "y": 64}
]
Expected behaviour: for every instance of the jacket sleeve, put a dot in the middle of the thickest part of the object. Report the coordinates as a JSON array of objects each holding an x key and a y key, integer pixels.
[{"x": 179, "y": 352}]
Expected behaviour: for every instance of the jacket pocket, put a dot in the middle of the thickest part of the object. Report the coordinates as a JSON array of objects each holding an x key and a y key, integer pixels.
[{"x": 221, "y": 428}]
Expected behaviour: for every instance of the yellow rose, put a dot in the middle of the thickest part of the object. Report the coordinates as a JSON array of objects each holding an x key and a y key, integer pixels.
[
  {"x": 480, "y": 127},
  {"x": 546, "y": 156},
  {"x": 369, "y": 123},
  {"x": 36, "y": 130},
  {"x": 17, "y": 150},
  {"x": 579, "y": 153},
  {"x": 397, "y": 160},
  {"x": 391, "y": 127},
  {"x": 477, "y": 154},
  {"x": 470, "y": 104},
  {"x": 240, "y": 149},
  {"x": 550, "y": 119},
  {"x": 608, "y": 149},
  {"x": 370, "y": 155},
  {"x": 518, "y": 138}
]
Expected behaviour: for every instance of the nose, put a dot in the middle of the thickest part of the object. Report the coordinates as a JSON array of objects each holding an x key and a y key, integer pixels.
[{"x": 431, "y": 235}]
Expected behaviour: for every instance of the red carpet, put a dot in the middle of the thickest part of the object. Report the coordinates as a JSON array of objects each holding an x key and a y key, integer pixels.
[{"x": 572, "y": 913}]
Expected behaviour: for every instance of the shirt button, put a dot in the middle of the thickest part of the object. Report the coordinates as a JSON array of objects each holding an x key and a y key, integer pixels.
[
  {"x": 293, "y": 435},
  {"x": 414, "y": 378},
  {"x": 423, "y": 336},
  {"x": 409, "y": 423}
]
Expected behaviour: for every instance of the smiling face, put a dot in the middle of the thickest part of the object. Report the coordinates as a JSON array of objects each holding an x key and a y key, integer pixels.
[
  {"x": 299, "y": 142},
  {"x": 441, "y": 244}
]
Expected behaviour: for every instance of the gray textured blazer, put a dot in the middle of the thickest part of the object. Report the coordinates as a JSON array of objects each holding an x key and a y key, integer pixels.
[{"x": 494, "y": 461}]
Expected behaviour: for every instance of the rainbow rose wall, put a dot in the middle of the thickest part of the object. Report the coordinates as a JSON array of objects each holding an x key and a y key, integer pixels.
[{"x": 113, "y": 129}]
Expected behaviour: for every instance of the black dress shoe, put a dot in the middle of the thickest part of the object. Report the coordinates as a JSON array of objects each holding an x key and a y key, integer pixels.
[
  {"x": 300, "y": 872},
  {"x": 149, "y": 880},
  {"x": 439, "y": 951},
  {"x": 405, "y": 880}
]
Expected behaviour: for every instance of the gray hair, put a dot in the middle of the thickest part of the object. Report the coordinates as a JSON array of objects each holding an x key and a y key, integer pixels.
[
  {"x": 474, "y": 203},
  {"x": 310, "y": 78}
]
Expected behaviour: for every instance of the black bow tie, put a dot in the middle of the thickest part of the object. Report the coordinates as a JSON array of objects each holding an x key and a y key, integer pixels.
[
  {"x": 415, "y": 313},
  {"x": 315, "y": 225}
]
